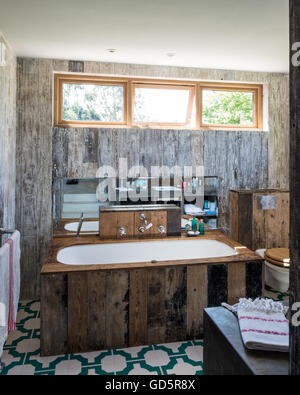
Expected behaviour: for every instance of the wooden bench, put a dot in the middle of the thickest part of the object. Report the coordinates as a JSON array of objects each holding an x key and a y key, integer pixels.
[{"x": 225, "y": 353}]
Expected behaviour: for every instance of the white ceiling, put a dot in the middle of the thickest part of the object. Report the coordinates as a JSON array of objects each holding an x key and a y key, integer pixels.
[{"x": 223, "y": 34}]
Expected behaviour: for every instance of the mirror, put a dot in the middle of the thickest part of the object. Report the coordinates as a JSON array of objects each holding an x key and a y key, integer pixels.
[{"x": 74, "y": 197}]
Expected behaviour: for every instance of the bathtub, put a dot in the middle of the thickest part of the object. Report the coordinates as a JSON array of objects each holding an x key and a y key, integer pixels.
[
  {"x": 143, "y": 251},
  {"x": 118, "y": 294}
]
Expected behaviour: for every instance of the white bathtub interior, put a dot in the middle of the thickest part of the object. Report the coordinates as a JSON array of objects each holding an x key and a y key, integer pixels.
[{"x": 143, "y": 251}]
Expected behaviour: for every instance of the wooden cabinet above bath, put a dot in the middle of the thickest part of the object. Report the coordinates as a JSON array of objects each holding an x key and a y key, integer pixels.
[{"x": 140, "y": 221}]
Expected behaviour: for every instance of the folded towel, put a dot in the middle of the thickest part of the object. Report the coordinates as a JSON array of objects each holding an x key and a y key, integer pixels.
[
  {"x": 191, "y": 209},
  {"x": 263, "y": 324},
  {"x": 14, "y": 282}
]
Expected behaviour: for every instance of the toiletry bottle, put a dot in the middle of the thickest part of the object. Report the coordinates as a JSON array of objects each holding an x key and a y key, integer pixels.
[
  {"x": 194, "y": 224},
  {"x": 201, "y": 227}
]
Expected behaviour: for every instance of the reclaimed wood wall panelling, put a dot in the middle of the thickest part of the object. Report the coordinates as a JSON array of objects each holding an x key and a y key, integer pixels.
[
  {"x": 175, "y": 303},
  {"x": 74, "y": 154},
  {"x": 54, "y": 314},
  {"x": 34, "y": 181},
  {"x": 88, "y": 311},
  {"x": 117, "y": 308},
  {"x": 217, "y": 283},
  {"x": 77, "y": 312},
  {"x": 138, "y": 302},
  {"x": 236, "y": 282},
  {"x": 156, "y": 306},
  {"x": 231, "y": 155},
  {"x": 96, "y": 310},
  {"x": 196, "y": 299},
  {"x": 278, "y": 223}
]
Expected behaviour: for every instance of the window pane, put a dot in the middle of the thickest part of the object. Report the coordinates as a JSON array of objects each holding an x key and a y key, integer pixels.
[
  {"x": 227, "y": 108},
  {"x": 87, "y": 102},
  {"x": 159, "y": 105}
]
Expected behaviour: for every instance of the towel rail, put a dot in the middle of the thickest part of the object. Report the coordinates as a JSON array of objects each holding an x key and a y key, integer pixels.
[{"x": 4, "y": 232}]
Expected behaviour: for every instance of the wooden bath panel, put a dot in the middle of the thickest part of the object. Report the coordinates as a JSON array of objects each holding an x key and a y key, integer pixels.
[{"x": 88, "y": 309}]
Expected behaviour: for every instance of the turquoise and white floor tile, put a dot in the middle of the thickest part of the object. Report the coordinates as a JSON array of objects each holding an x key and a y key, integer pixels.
[
  {"x": 276, "y": 295},
  {"x": 22, "y": 354}
]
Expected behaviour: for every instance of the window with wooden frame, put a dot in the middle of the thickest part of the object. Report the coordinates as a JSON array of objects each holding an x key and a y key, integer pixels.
[
  {"x": 103, "y": 101},
  {"x": 89, "y": 101},
  {"x": 162, "y": 104},
  {"x": 230, "y": 106}
]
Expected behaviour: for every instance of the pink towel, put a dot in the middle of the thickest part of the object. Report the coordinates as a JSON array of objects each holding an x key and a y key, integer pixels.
[{"x": 11, "y": 309}]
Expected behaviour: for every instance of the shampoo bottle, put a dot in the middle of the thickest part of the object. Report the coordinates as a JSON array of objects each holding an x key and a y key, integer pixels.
[
  {"x": 194, "y": 224},
  {"x": 201, "y": 227}
]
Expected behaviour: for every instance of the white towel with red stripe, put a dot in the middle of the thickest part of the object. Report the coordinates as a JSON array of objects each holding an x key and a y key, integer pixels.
[
  {"x": 9, "y": 286},
  {"x": 263, "y": 324}
]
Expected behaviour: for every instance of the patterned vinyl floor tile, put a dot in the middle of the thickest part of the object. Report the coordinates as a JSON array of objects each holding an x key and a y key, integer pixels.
[{"x": 21, "y": 354}]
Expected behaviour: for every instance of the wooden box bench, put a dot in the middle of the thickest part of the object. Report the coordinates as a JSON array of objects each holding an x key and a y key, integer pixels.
[{"x": 225, "y": 353}]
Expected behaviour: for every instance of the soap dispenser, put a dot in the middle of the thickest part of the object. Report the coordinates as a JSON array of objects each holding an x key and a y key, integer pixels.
[
  {"x": 194, "y": 224},
  {"x": 201, "y": 227}
]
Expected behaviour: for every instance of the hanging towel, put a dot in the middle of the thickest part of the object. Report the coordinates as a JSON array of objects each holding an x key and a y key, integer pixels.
[
  {"x": 9, "y": 286},
  {"x": 4, "y": 294},
  {"x": 14, "y": 279},
  {"x": 263, "y": 324}
]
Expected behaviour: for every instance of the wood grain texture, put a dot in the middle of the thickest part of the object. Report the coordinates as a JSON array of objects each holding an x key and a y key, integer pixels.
[
  {"x": 156, "y": 306},
  {"x": 236, "y": 282},
  {"x": 138, "y": 300},
  {"x": 255, "y": 223},
  {"x": 271, "y": 227},
  {"x": 196, "y": 299},
  {"x": 77, "y": 312},
  {"x": 111, "y": 222},
  {"x": 117, "y": 307},
  {"x": 217, "y": 285},
  {"x": 96, "y": 311},
  {"x": 54, "y": 314},
  {"x": 175, "y": 303},
  {"x": 238, "y": 159},
  {"x": 8, "y": 84}
]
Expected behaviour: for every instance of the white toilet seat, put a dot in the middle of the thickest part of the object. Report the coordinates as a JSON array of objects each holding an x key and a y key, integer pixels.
[{"x": 276, "y": 277}]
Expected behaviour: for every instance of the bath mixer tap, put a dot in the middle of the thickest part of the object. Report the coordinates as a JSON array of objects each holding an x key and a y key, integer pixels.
[
  {"x": 122, "y": 231},
  {"x": 161, "y": 229},
  {"x": 146, "y": 226},
  {"x": 143, "y": 229},
  {"x": 79, "y": 226}
]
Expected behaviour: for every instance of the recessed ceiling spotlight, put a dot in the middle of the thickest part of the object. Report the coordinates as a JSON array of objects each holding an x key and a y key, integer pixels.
[{"x": 111, "y": 50}]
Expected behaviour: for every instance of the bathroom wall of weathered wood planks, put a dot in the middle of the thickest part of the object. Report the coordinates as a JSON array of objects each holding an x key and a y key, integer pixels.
[
  {"x": 240, "y": 159},
  {"x": 7, "y": 139}
]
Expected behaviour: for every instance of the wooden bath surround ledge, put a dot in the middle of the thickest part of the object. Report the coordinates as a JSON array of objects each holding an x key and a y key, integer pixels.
[{"x": 95, "y": 307}]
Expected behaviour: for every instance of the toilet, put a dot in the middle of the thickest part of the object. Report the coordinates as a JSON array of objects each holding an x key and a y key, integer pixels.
[{"x": 277, "y": 267}]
